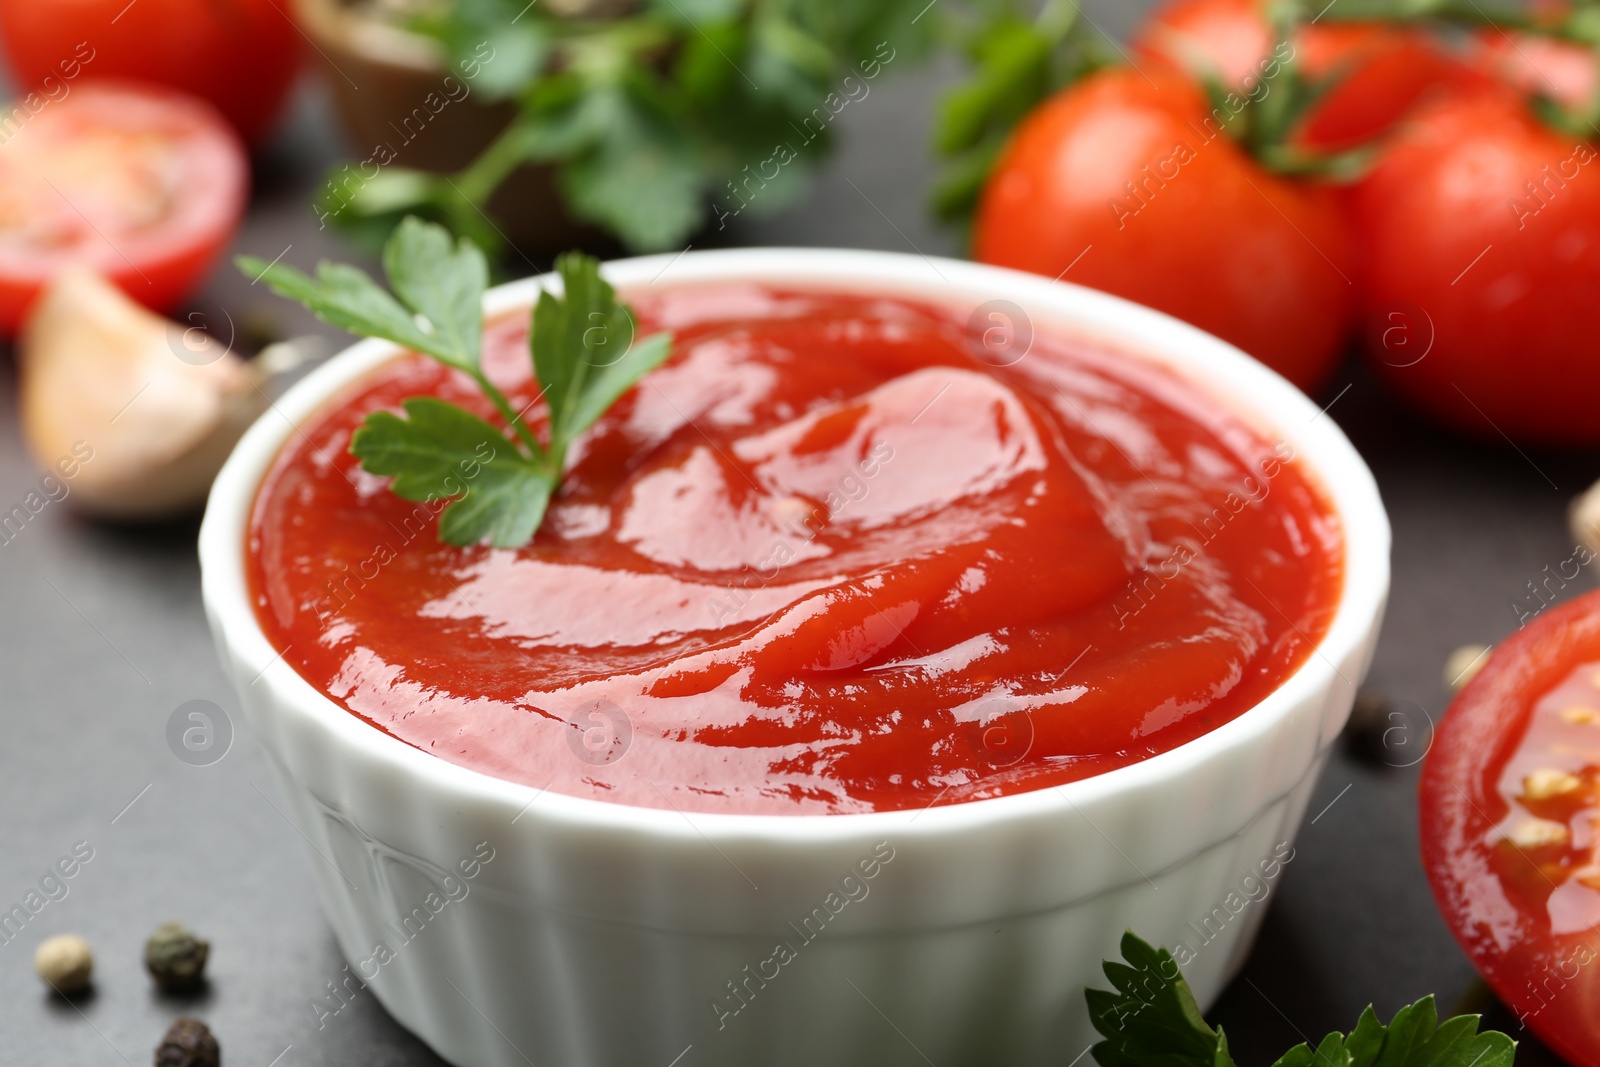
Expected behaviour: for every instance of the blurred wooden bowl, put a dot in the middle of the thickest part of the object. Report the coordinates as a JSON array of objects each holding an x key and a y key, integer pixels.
[{"x": 381, "y": 73}]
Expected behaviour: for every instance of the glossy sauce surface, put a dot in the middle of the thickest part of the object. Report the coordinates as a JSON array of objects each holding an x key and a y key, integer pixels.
[{"x": 826, "y": 559}]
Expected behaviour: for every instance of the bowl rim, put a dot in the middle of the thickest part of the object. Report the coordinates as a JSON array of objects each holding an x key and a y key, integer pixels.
[{"x": 1252, "y": 391}]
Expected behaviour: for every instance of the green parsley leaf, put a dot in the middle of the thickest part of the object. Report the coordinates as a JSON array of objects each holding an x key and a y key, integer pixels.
[
  {"x": 655, "y": 114},
  {"x": 1012, "y": 74},
  {"x": 345, "y": 297},
  {"x": 441, "y": 286},
  {"x": 441, "y": 451},
  {"x": 1152, "y": 1017},
  {"x": 584, "y": 354},
  {"x": 1152, "y": 1020},
  {"x": 642, "y": 180},
  {"x": 583, "y": 348},
  {"x": 444, "y": 282},
  {"x": 1017, "y": 59},
  {"x": 607, "y": 383}
]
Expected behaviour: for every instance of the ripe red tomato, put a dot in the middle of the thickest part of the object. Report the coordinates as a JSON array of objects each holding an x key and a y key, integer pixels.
[
  {"x": 1125, "y": 183},
  {"x": 1384, "y": 69},
  {"x": 1480, "y": 234},
  {"x": 144, "y": 184},
  {"x": 1537, "y": 65},
  {"x": 242, "y": 55},
  {"x": 1224, "y": 39},
  {"x": 1510, "y": 790}
]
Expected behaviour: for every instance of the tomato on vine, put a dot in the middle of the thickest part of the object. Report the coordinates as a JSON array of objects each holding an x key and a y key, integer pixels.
[
  {"x": 1370, "y": 73},
  {"x": 1479, "y": 229},
  {"x": 1129, "y": 182}
]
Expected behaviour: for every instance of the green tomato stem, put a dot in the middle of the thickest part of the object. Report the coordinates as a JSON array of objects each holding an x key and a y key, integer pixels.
[{"x": 1458, "y": 11}]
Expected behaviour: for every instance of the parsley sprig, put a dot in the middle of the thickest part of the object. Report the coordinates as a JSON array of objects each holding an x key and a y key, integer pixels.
[
  {"x": 584, "y": 356},
  {"x": 1152, "y": 1020},
  {"x": 655, "y": 117},
  {"x": 1018, "y": 57}
]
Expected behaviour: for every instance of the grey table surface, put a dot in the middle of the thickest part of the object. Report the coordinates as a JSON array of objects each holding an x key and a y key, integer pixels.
[{"x": 102, "y": 637}]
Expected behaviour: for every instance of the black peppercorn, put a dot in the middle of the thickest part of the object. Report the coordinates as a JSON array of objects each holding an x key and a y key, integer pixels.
[
  {"x": 189, "y": 1043},
  {"x": 1383, "y": 730},
  {"x": 175, "y": 958}
]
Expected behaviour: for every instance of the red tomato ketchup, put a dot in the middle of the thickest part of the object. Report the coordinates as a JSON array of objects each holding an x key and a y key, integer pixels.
[
  {"x": 823, "y": 560},
  {"x": 1511, "y": 825}
]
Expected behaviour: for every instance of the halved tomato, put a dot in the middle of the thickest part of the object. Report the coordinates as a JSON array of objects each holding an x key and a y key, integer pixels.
[
  {"x": 144, "y": 184},
  {"x": 1511, "y": 824}
]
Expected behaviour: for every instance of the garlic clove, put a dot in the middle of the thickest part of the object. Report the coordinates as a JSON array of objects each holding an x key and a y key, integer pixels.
[
  {"x": 157, "y": 408},
  {"x": 1583, "y": 518}
]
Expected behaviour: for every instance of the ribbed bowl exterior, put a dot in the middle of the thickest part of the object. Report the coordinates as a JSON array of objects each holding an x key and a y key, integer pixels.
[{"x": 508, "y": 927}]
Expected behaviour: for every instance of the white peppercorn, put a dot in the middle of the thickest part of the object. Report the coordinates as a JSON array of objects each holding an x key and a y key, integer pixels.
[{"x": 65, "y": 962}]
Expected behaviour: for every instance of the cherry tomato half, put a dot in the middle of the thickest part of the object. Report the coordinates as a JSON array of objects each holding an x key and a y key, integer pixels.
[
  {"x": 1125, "y": 182},
  {"x": 241, "y": 55},
  {"x": 144, "y": 184},
  {"x": 1511, "y": 825}
]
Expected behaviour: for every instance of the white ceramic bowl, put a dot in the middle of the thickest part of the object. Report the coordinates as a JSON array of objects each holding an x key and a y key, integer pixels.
[{"x": 603, "y": 935}]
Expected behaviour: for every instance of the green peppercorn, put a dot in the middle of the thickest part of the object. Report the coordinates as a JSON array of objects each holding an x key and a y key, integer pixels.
[
  {"x": 188, "y": 1043},
  {"x": 175, "y": 958}
]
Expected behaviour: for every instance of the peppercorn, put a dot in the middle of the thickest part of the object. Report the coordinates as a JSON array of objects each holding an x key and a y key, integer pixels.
[
  {"x": 188, "y": 1043},
  {"x": 1394, "y": 733},
  {"x": 1363, "y": 731},
  {"x": 175, "y": 958},
  {"x": 65, "y": 963}
]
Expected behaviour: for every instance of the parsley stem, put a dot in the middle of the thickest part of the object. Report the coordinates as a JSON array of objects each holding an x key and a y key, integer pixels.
[
  {"x": 513, "y": 420},
  {"x": 1057, "y": 19},
  {"x": 509, "y": 150}
]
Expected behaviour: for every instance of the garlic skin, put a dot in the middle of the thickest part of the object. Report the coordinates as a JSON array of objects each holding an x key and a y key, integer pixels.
[{"x": 160, "y": 406}]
